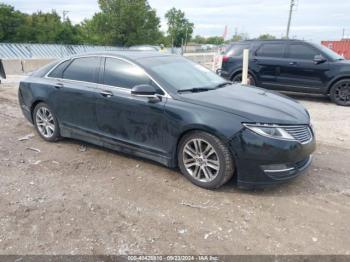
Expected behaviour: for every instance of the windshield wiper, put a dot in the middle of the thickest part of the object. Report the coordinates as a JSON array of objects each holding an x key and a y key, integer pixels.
[
  {"x": 202, "y": 89},
  {"x": 195, "y": 89},
  {"x": 223, "y": 84}
]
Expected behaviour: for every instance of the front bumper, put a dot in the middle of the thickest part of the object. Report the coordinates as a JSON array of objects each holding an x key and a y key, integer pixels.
[{"x": 263, "y": 161}]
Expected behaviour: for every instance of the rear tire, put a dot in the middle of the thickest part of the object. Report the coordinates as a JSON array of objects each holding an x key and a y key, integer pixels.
[
  {"x": 46, "y": 123},
  {"x": 340, "y": 92},
  {"x": 238, "y": 79},
  {"x": 205, "y": 160}
]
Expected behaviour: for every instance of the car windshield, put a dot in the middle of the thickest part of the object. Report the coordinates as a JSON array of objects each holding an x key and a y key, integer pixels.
[
  {"x": 330, "y": 53},
  {"x": 183, "y": 74}
]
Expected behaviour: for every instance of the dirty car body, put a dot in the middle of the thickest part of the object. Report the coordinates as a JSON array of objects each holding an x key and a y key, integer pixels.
[{"x": 269, "y": 135}]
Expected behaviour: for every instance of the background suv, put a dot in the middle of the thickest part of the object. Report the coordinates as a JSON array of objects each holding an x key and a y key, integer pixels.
[{"x": 291, "y": 65}]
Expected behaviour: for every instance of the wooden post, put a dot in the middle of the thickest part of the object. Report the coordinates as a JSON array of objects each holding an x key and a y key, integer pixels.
[{"x": 245, "y": 67}]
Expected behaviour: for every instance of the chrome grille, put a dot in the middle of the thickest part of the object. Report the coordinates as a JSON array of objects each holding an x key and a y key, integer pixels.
[{"x": 301, "y": 133}]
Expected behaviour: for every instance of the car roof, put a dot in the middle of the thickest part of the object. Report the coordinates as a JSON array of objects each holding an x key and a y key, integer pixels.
[
  {"x": 126, "y": 54},
  {"x": 270, "y": 41}
]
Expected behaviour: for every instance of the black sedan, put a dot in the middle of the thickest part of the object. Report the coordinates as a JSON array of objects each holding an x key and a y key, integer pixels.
[{"x": 168, "y": 109}]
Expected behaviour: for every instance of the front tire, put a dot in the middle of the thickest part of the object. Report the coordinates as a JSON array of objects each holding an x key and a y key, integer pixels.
[
  {"x": 46, "y": 122},
  {"x": 340, "y": 92},
  {"x": 205, "y": 160}
]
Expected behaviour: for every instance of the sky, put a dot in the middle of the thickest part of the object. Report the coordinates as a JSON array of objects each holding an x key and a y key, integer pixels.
[{"x": 312, "y": 20}]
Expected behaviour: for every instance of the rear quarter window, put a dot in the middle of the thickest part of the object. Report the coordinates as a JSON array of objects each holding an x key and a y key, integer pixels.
[
  {"x": 58, "y": 71},
  {"x": 41, "y": 72},
  {"x": 83, "y": 69},
  {"x": 237, "y": 50}
]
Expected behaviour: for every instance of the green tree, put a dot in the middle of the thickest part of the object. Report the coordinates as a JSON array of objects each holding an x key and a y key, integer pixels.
[
  {"x": 123, "y": 22},
  {"x": 10, "y": 20},
  {"x": 215, "y": 40},
  {"x": 69, "y": 34},
  {"x": 120, "y": 22},
  {"x": 38, "y": 27},
  {"x": 199, "y": 39},
  {"x": 164, "y": 39},
  {"x": 212, "y": 40},
  {"x": 239, "y": 37},
  {"x": 44, "y": 27},
  {"x": 179, "y": 27},
  {"x": 266, "y": 37},
  {"x": 93, "y": 31}
]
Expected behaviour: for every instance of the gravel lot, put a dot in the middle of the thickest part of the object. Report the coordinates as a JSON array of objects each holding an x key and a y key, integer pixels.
[{"x": 73, "y": 198}]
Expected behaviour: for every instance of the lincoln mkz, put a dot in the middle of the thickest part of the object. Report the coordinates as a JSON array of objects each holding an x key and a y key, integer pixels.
[{"x": 173, "y": 111}]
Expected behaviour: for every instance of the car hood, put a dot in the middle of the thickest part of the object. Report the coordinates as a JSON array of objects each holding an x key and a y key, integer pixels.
[
  {"x": 254, "y": 104},
  {"x": 343, "y": 62}
]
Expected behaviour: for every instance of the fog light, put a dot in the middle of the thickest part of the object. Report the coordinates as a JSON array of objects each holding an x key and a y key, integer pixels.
[{"x": 276, "y": 168}]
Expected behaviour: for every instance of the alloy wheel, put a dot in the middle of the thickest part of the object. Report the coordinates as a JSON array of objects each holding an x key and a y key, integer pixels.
[
  {"x": 342, "y": 92},
  {"x": 238, "y": 79},
  {"x": 201, "y": 160},
  {"x": 45, "y": 122}
]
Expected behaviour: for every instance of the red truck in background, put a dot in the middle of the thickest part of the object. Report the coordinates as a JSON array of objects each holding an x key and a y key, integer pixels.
[{"x": 342, "y": 47}]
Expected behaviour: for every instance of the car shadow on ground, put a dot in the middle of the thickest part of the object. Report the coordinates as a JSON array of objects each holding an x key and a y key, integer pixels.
[
  {"x": 271, "y": 190},
  {"x": 71, "y": 141},
  {"x": 293, "y": 187}
]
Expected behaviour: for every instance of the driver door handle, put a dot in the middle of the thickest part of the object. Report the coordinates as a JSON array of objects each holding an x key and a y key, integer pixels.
[
  {"x": 106, "y": 93},
  {"x": 59, "y": 85},
  {"x": 292, "y": 63}
]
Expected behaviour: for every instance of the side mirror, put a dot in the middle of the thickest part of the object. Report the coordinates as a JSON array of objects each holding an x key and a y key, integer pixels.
[
  {"x": 318, "y": 59},
  {"x": 144, "y": 91}
]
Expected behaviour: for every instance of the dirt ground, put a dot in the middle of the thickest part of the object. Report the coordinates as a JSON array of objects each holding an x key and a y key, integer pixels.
[{"x": 72, "y": 198}]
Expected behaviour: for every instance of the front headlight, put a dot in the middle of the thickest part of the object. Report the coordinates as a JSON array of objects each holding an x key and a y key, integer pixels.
[{"x": 272, "y": 131}]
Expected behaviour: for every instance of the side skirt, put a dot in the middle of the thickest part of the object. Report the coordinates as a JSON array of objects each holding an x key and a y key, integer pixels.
[{"x": 114, "y": 145}]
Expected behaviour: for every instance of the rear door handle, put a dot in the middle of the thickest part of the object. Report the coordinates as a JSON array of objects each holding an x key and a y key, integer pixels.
[
  {"x": 59, "y": 85},
  {"x": 106, "y": 93},
  {"x": 292, "y": 63}
]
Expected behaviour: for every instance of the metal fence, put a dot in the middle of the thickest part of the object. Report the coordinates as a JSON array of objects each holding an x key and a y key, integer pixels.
[
  {"x": 27, "y": 51},
  {"x": 23, "y": 51}
]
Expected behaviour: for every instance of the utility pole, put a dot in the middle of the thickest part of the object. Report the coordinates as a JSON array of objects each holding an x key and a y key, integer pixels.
[
  {"x": 292, "y": 4},
  {"x": 186, "y": 38},
  {"x": 64, "y": 15},
  {"x": 343, "y": 36}
]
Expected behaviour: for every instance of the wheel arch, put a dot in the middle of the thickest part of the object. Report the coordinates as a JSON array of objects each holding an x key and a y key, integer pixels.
[
  {"x": 191, "y": 129},
  {"x": 34, "y": 104},
  {"x": 334, "y": 81},
  {"x": 213, "y": 132}
]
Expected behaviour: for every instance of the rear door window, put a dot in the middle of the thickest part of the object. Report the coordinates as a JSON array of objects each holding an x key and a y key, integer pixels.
[
  {"x": 300, "y": 51},
  {"x": 271, "y": 50},
  {"x": 123, "y": 74},
  {"x": 83, "y": 69}
]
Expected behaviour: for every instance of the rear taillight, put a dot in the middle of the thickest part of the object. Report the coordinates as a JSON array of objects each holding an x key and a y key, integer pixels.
[{"x": 225, "y": 58}]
